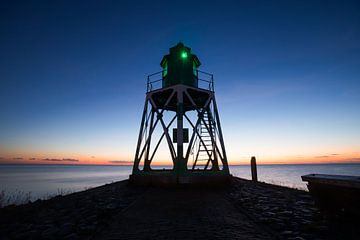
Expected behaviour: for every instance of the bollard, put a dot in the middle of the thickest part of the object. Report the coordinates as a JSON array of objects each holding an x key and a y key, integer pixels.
[{"x": 253, "y": 169}]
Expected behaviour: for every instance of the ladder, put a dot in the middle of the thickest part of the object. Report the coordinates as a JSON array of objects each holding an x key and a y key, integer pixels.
[{"x": 206, "y": 141}]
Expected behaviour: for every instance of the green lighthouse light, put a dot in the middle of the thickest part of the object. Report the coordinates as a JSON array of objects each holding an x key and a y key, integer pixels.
[
  {"x": 180, "y": 67},
  {"x": 184, "y": 55}
]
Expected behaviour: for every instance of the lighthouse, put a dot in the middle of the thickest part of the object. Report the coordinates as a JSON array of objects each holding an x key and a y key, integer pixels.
[{"x": 180, "y": 110}]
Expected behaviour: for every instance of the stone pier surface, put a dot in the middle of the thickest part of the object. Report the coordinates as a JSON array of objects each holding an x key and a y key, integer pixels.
[
  {"x": 183, "y": 214},
  {"x": 242, "y": 210}
]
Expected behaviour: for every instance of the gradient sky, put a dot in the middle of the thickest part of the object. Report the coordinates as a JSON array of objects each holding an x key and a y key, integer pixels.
[{"x": 72, "y": 76}]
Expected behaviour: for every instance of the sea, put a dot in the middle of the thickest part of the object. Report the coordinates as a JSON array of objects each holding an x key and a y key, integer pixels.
[{"x": 44, "y": 181}]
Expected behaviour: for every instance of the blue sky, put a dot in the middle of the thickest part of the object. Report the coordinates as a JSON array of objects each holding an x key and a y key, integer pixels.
[{"x": 72, "y": 74}]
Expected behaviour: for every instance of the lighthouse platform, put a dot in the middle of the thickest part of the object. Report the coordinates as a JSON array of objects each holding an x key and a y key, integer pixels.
[{"x": 167, "y": 178}]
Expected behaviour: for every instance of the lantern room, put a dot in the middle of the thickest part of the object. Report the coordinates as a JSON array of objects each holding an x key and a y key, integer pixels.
[{"x": 180, "y": 67}]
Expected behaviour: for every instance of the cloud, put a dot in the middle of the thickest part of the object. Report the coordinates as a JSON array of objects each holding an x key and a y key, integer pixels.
[
  {"x": 70, "y": 160},
  {"x": 120, "y": 162},
  {"x": 17, "y": 158},
  {"x": 92, "y": 156},
  {"x": 32, "y": 159},
  {"x": 52, "y": 160},
  {"x": 60, "y": 160},
  {"x": 327, "y": 156}
]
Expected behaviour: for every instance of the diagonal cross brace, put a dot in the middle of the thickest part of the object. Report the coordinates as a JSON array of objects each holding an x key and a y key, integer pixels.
[{"x": 159, "y": 118}]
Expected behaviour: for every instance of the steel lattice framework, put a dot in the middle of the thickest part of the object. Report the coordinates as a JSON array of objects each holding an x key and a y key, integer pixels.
[{"x": 206, "y": 135}]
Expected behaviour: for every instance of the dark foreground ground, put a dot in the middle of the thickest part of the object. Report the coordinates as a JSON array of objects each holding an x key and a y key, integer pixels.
[{"x": 242, "y": 210}]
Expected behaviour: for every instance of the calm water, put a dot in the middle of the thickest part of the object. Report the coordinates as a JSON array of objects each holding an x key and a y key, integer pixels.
[{"x": 45, "y": 180}]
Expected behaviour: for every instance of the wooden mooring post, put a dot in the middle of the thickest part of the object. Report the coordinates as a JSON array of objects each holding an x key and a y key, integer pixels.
[{"x": 253, "y": 169}]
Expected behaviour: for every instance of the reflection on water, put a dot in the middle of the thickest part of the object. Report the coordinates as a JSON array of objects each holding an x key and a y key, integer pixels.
[{"x": 44, "y": 180}]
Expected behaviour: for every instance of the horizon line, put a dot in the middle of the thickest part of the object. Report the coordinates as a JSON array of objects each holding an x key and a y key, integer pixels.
[{"x": 165, "y": 165}]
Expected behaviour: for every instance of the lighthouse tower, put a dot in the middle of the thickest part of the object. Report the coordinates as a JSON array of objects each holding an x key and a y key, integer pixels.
[{"x": 180, "y": 110}]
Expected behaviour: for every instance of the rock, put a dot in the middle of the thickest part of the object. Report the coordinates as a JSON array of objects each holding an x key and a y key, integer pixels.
[
  {"x": 307, "y": 211},
  {"x": 305, "y": 222},
  {"x": 269, "y": 214},
  {"x": 321, "y": 228},
  {"x": 286, "y": 233},
  {"x": 32, "y": 234},
  {"x": 86, "y": 230},
  {"x": 44, "y": 227},
  {"x": 285, "y": 213},
  {"x": 298, "y": 238},
  {"x": 301, "y": 203},
  {"x": 67, "y": 229},
  {"x": 278, "y": 225},
  {"x": 307, "y": 197},
  {"x": 71, "y": 236},
  {"x": 111, "y": 206},
  {"x": 266, "y": 220},
  {"x": 272, "y": 220},
  {"x": 50, "y": 233}
]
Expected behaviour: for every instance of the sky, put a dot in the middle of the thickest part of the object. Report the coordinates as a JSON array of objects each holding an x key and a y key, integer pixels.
[{"x": 73, "y": 76}]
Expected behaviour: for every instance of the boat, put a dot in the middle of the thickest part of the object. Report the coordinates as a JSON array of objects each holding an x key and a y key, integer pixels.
[{"x": 335, "y": 193}]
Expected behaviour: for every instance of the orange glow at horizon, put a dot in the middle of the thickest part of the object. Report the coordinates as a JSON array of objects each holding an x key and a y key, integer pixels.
[{"x": 78, "y": 159}]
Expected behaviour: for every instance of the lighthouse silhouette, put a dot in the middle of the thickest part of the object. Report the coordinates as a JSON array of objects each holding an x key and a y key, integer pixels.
[{"x": 180, "y": 109}]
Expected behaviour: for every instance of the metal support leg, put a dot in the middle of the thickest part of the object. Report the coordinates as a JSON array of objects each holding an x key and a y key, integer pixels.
[
  {"x": 137, "y": 159},
  {"x": 180, "y": 165}
]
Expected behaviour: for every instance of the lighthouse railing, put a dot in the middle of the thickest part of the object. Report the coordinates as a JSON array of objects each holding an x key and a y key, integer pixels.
[
  {"x": 205, "y": 81},
  {"x": 154, "y": 81}
]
